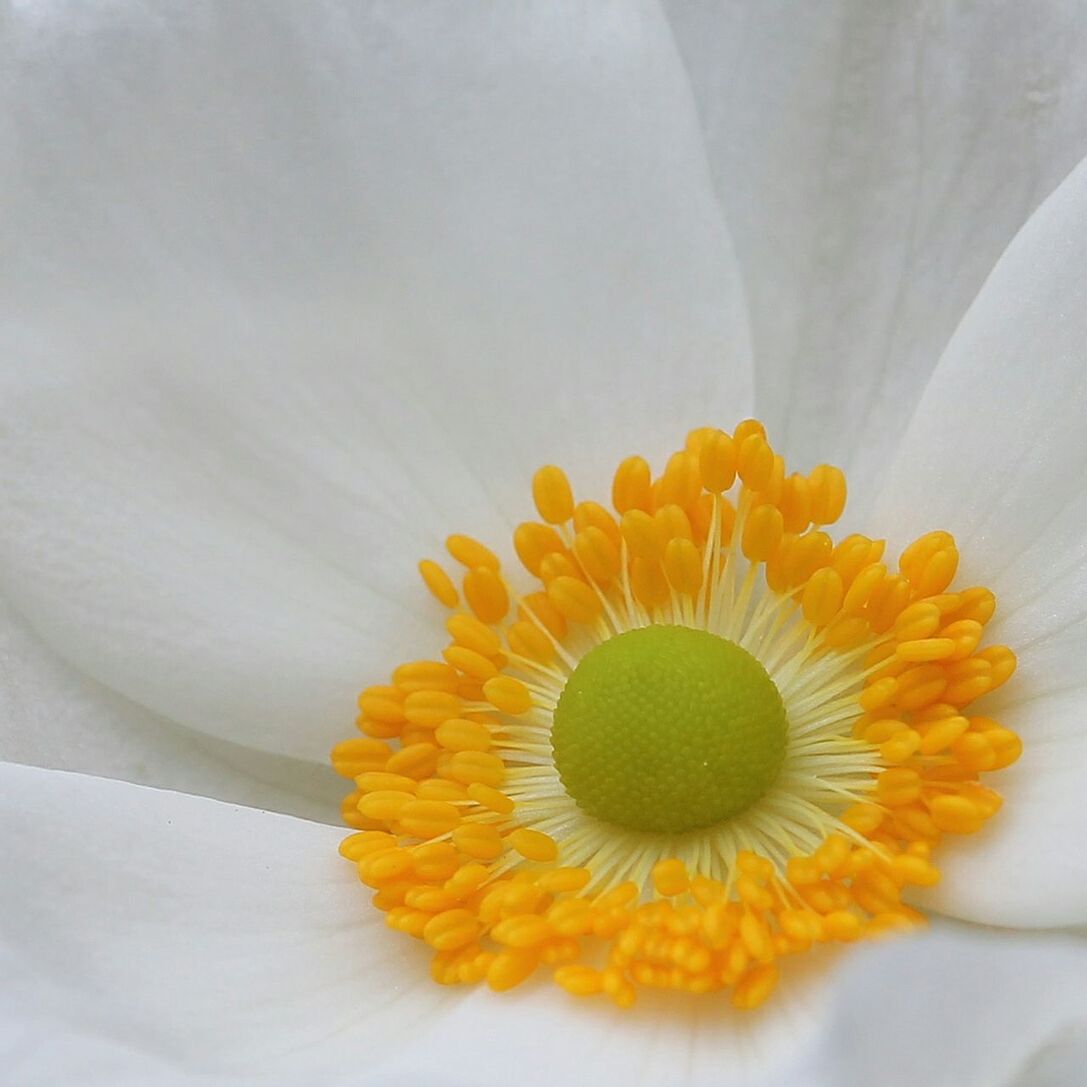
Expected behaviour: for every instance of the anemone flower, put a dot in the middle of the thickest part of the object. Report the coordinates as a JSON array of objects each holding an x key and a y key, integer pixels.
[{"x": 294, "y": 293}]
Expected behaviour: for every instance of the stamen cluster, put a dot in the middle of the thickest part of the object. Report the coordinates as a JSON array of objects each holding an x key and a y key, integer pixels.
[{"x": 461, "y": 821}]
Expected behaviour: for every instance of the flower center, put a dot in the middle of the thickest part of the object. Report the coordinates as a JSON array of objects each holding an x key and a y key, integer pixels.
[
  {"x": 698, "y": 738},
  {"x": 667, "y": 728}
]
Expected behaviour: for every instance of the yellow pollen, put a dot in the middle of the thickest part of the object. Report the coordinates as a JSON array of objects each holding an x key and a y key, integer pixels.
[{"x": 468, "y": 840}]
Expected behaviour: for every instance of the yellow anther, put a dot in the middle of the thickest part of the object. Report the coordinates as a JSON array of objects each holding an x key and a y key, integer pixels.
[
  {"x": 533, "y": 542},
  {"x": 353, "y": 757},
  {"x": 439, "y": 583},
  {"x": 762, "y": 534},
  {"x": 428, "y": 818},
  {"x": 900, "y": 746},
  {"x": 833, "y": 855},
  {"x": 576, "y": 600},
  {"x": 1006, "y": 747},
  {"x": 802, "y": 871},
  {"x": 457, "y": 734},
  {"x": 434, "y": 861},
  {"x": 973, "y": 752},
  {"x": 745, "y": 429},
  {"x": 683, "y": 566},
  {"x": 863, "y": 818},
  {"x": 528, "y": 930},
  {"x": 385, "y": 704},
  {"x": 356, "y": 846},
  {"x": 559, "y": 565},
  {"x": 527, "y": 640},
  {"x": 386, "y": 804},
  {"x": 472, "y": 664},
  {"x": 938, "y": 572},
  {"x": 511, "y": 967},
  {"x": 471, "y": 553},
  {"x": 754, "y": 461},
  {"x": 426, "y": 676},
  {"x": 508, "y": 694},
  {"x": 648, "y": 583},
  {"x": 552, "y": 494},
  {"x": 559, "y": 880},
  {"x": 451, "y": 929},
  {"x": 886, "y": 603},
  {"x": 594, "y": 515},
  {"x": 486, "y": 594},
  {"x": 644, "y": 535},
  {"x": 489, "y": 797},
  {"x": 926, "y": 649},
  {"x": 755, "y": 987},
  {"x": 965, "y": 633},
  {"x": 430, "y": 708},
  {"x": 480, "y": 841},
  {"x": 796, "y": 502},
  {"x": 915, "y": 870},
  {"x": 1002, "y": 663},
  {"x": 597, "y": 553},
  {"x": 842, "y": 925},
  {"x": 898, "y": 786},
  {"x": 756, "y": 938},
  {"x": 920, "y": 685},
  {"x": 537, "y": 607},
  {"x": 670, "y": 877},
  {"x": 956, "y": 814},
  {"x": 383, "y": 866},
  {"x": 681, "y": 483},
  {"x": 673, "y": 522},
  {"x": 828, "y": 494},
  {"x": 579, "y": 980},
  {"x": 823, "y": 596},
  {"x": 469, "y": 877},
  {"x": 846, "y": 632},
  {"x": 697, "y": 437},
  {"x": 375, "y": 781},
  {"x": 533, "y": 845},
  {"x": 978, "y": 604},
  {"x": 632, "y": 487},
  {"x": 751, "y": 864},
  {"x": 805, "y": 555},
  {"x": 920, "y": 620},
  {"x": 939, "y": 735},
  {"x": 771, "y": 490},
  {"x": 717, "y": 461},
  {"x": 475, "y": 767},
  {"x": 753, "y": 894},
  {"x": 621, "y": 895},
  {"x": 878, "y": 732},
  {"x": 415, "y": 760},
  {"x": 472, "y": 634}
]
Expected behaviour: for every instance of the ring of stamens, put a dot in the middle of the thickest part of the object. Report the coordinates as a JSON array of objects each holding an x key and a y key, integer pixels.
[{"x": 469, "y": 839}]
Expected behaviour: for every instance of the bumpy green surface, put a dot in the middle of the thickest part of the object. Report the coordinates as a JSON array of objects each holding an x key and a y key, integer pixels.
[{"x": 667, "y": 728}]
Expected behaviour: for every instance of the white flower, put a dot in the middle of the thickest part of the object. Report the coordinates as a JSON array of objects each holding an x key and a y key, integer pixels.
[{"x": 294, "y": 291}]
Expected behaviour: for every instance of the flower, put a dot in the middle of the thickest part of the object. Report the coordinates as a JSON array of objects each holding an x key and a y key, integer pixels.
[{"x": 297, "y": 294}]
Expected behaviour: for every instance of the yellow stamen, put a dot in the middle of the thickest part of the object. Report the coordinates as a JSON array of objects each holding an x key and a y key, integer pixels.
[{"x": 469, "y": 840}]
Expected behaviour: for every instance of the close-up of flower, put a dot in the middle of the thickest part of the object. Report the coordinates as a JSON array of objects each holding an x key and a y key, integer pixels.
[{"x": 543, "y": 543}]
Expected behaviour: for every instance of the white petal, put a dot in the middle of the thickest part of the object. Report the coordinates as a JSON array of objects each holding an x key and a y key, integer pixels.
[
  {"x": 961, "y": 1007},
  {"x": 1058, "y": 1062},
  {"x": 152, "y": 930},
  {"x": 53, "y": 716},
  {"x": 997, "y": 455},
  {"x": 294, "y": 294},
  {"x": 873, "y": 161}
]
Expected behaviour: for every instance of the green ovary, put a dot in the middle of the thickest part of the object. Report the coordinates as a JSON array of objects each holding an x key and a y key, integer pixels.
[{"x": 666, "y": 728}]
